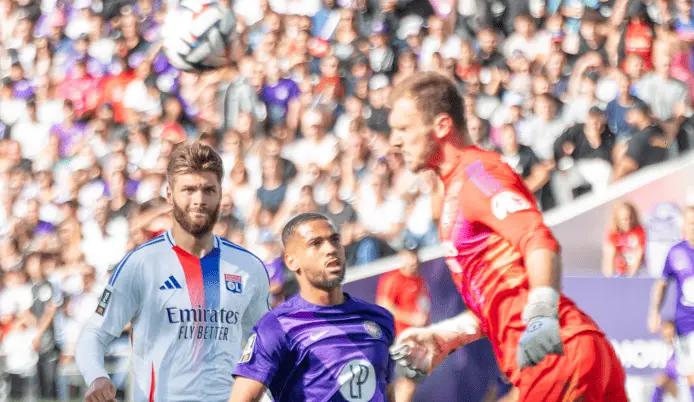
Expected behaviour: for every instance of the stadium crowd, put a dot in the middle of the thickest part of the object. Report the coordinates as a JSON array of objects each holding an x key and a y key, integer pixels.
[{"x": 574, "y": 94}]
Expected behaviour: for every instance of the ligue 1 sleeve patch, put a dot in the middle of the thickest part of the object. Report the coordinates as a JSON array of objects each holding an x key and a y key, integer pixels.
[
  {"x": 248, "y": 349},
  {"x": 103, "y": 302},
  {"x": 508, "y": 202}
]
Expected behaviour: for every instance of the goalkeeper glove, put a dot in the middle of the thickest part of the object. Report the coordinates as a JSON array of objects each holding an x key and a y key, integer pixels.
[
  {"x": 420, "y": 350},
  {"x": 541, "y": 336}
]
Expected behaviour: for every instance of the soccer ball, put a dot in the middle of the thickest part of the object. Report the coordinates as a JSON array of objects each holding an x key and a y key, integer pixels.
[{"x": 196, "y": 34}]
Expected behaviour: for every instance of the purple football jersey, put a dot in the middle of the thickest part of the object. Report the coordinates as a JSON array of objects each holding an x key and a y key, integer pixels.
[
  {"x": 305, "y": 352},
  {"x": 679, "y": 266}
]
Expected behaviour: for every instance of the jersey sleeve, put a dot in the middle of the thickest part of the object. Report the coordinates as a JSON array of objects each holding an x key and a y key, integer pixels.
[
  {"x": 265, "y": 349},
  {"x": 495, "y": 196},
  {"x": 390, "y": 338},
  {"x": 668, "y": 271},
  {"x": 121, "y": 299},
  {"x": 259, "y": 304}
]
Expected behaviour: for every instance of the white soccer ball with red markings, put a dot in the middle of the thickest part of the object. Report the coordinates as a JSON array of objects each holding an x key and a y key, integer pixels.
[{"x": 196, "y": 34}]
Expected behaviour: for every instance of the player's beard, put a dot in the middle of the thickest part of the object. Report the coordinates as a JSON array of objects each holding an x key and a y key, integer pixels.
[
  {"x": 429, "y": 158},
  {"x": 196, "y": 229},
  {"x": 327, "y": 281}
]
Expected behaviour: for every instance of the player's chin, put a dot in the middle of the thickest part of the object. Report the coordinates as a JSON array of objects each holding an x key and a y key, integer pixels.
[
  {"x": 331, "y": 281},
  {"x": 199, "y": 229},
  {"x": 334, "y": 266}
]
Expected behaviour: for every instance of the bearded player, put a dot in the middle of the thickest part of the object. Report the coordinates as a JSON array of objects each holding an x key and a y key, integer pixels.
[
  {"x": 192, "y": 298},
  {"x": 503, "y": 259}
]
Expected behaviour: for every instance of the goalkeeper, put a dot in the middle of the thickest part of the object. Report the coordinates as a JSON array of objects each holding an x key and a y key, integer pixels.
[{"x": 503, "y": 260}]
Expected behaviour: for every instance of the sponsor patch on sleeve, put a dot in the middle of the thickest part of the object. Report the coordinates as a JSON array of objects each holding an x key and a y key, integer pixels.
[
  {"x": 103, "y": 302},
  {"x": 508, "y": 202},
  {"x": 248, "y": 349}
]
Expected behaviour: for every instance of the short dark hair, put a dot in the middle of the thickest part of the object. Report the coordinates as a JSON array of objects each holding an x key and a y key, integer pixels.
[
  {"x": 298, "y": 220},
  {"x": 433, "y": 94},
  {"x": 194, "y": 157},
  {"x": 641, "y": 106}
]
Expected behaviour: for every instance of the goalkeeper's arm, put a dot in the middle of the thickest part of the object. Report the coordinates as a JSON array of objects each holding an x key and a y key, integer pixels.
[{"x": 422, "y": 349}]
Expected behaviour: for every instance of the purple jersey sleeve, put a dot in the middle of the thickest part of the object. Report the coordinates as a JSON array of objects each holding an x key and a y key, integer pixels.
[
  {"x": 668, "y": 272},
  {"x": 263, "y": 352}
]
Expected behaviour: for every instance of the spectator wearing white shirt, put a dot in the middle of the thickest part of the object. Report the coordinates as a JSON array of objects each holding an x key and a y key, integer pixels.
[
  {"x": 104, "y": 238},
  {"x": 241, "y": 191},
  {"x": 12, "y": 109},
  {"x": 318, "y": 146},
  {"x": 420, "y": 229},
  {"x": 667, "y": 97},
  {"x": 31, "y": 133},
  {"x": 21, "y": 357},
  {"x": 141, "y": 95},
  {"x": 437, "y": 39},
  {"x": 381, "y": 213},
  {"x": 542, "y": 128},
  {"x": 525, "y": 39}
]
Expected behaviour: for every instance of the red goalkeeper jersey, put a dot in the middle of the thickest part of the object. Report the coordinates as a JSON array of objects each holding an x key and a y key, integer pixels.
[{"x": 489, "y": 223}]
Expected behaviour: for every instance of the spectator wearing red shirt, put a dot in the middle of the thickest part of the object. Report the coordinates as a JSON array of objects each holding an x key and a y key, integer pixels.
[
  {"x": 405, "y": 294},
  {"x": 639, "y": 37},
  {"x": 625, "y": 243}
]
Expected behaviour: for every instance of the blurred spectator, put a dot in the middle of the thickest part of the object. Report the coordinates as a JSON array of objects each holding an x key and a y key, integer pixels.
[
  {"x": 21, "y": 357},
  {"x": 541, "y": 129},
  {"x": 340, "y": 212},
  {"x": 77, "y": 307},
  {"x": 535, "y": 173},
  {"x": 31, "y": 144},
  {"x": 240, "y": 190},
  {"x": 617, "y": 109},
  {"x": 478, "y": 130},
  {"x": 625, "y": 242},
  {"x": 583, "y": 154},
  {"x": 272, "y": 192},
  {"x": 420, "y": 230},
  {"x": 282, "y": 282},
  {"x": 663, "y": 224},
  {"x": 648, "y": 145},
  {"x": 668, "y": 98},
  {"x": 281, "y": 97},
  {"x": 377, "y": 119},
  {"x": 318, "y": 146},
  {"x": 590, "y": 140},
  {"x": 46, "y": 300},
  {"x": 380, "y": 213}
]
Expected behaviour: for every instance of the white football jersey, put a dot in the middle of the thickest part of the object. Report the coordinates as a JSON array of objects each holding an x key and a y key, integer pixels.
[{"x": 191, "y": 316}]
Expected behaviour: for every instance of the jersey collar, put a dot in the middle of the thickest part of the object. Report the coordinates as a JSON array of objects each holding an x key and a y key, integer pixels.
[{"x": 169, "y": 237}]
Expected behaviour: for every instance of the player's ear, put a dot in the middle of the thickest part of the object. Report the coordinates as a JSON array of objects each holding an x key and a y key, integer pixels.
[
  {"x": 291, "y": 262},
  {"x": 169, "y": 195},
  {"x": 443, "y": 125}
]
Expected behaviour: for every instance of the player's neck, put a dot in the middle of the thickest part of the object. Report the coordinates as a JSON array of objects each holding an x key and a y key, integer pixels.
[
  {"x": 197, "y": 246},
  {"x": 451, "y": 154},
  {"x": 322, "y": 297}
]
